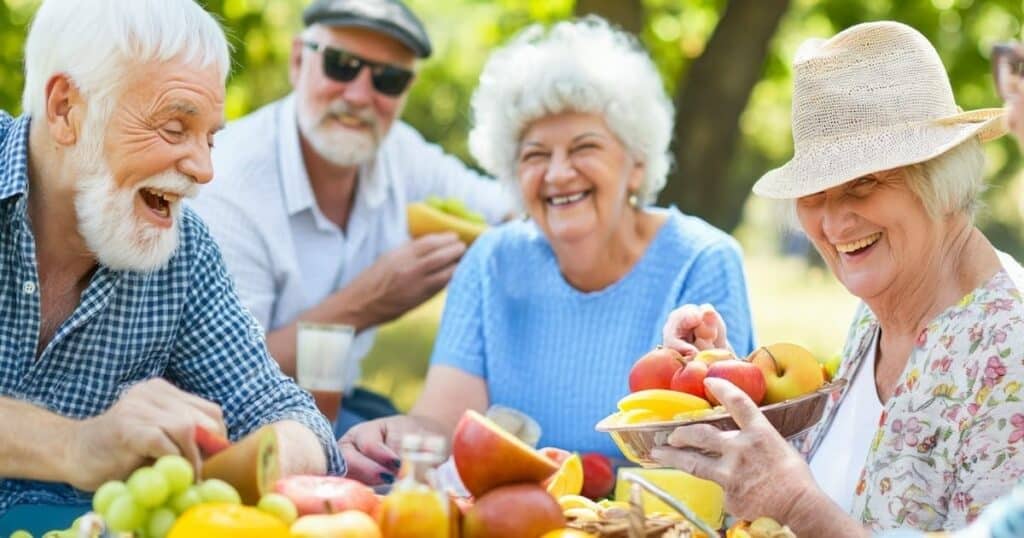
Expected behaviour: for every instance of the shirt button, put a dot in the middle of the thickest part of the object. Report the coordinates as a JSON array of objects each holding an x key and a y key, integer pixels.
[{"x": 29, "y": 287}]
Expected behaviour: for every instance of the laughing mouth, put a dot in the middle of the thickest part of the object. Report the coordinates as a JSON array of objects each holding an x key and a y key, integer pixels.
[
  {"x": 159, "y": 201},
  {"x": 567, "y": 199},
  {"x": 352, "y": 122},
  {"x": 859, "y": 245}
]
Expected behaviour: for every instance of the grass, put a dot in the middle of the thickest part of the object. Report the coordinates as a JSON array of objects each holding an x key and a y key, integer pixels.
[{"x": 791, "y": 302}]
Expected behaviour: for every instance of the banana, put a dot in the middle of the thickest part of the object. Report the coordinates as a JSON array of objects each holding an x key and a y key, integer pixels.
[
  {"x": 423, "y": 219},
  {"x": 662, "y": 402}
]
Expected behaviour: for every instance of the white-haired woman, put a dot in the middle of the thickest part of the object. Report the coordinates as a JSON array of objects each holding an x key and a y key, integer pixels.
[
  {"x": 548, "y": 315},
  {"x": 886, "y": 176}
]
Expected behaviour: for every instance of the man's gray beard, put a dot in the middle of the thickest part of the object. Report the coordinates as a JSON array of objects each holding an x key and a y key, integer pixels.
[
  {"x": 106, "y": 214},
  {"x": 338, "y": 145}
]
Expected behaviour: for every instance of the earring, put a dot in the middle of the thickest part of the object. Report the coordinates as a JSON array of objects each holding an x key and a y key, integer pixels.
[{"x": 633, "y": 200}]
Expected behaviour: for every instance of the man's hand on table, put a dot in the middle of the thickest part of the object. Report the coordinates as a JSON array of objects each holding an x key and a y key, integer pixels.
[{"x": 152, "y": 418}]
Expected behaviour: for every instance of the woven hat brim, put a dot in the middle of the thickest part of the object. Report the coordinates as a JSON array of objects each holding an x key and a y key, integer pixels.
[{"x": 834, "y": 162}]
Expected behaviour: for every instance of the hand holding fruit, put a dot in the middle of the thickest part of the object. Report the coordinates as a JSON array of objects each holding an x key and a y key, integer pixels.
[
  {"x": 762, "y": 475},
  {"x": 692, "y": 328},
  {"x": 152, "y": 418},
  {"x": 409, "y": 275}
]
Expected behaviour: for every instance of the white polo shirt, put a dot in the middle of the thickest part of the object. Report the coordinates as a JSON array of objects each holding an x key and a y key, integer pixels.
[{"x": 285, "y": 255}]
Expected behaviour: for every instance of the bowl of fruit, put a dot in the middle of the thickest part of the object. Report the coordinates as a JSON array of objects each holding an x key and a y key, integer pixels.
[
  {"x": 437, "y": 215},
  {"x": 790, "y": 386}
]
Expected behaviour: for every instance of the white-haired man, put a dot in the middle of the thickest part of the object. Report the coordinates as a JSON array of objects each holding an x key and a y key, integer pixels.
[
  {"x": 309, "y": 203},
  {"x": 120, "y": 332}
]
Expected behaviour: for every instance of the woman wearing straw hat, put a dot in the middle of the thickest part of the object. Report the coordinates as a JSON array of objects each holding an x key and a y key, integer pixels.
[{"x": 885, "y": 178}]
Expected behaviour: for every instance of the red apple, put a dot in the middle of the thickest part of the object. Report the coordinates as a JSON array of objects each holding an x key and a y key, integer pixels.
[
  {"x": 655, "y": 369},
  {"x": 513, "y": 511},
  {"x": 327, "y": 494},
  {"x": 690, "y": 378},
  {"x": 487, "y": 456},
  {"x": 598, "y": 476},
  {"x": 209, "y": 442},
  {"x": 746, "y": 376}
]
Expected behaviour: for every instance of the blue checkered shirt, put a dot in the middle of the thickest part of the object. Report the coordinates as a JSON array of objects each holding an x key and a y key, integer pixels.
[{"x": 183, "y": 322}]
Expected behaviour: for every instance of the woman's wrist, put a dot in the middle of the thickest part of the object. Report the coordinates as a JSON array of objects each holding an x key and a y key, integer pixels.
[{"x": 812, "y": 513}]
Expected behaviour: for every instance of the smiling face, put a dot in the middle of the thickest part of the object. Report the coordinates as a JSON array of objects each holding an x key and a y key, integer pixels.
[
  {"x": 873, "y": 232},
  {"x": 345, "y": 121},
  {"x": 575, "y": 176},
  {"x": 135, "y": 169}
]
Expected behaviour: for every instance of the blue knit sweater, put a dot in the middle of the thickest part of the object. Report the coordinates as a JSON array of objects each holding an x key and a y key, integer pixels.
[{"x": 563, "y": 356}]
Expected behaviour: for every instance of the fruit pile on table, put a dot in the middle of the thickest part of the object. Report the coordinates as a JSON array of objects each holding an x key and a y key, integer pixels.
[{"x": 515, "y": 490}]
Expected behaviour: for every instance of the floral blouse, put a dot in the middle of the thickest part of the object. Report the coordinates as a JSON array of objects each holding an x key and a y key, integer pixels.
[{"x": 951, "y": 438}]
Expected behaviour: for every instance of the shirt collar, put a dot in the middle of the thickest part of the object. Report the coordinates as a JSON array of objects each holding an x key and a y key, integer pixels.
[
  {"x": 14, "y": 157},
  {"x": 298, "y": 193}
]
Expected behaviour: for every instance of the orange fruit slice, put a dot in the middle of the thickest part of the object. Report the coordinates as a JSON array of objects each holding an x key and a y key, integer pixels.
[{"x": 568, "y": 479}]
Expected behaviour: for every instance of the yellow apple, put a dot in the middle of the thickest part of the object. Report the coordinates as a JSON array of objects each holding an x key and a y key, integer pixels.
[
  {"x": 711, "y": 356},
  {"x": 789, "y": 371}
]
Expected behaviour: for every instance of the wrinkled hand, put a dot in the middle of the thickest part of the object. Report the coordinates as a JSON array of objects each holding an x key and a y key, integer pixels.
[
  {"x": 409, "y": 275},
  {"x": 691, "y": 328},
  {"x": 371, "y": 448},
  {"x": 151, "y": 419},
  {"x": 762, "y": 475}
]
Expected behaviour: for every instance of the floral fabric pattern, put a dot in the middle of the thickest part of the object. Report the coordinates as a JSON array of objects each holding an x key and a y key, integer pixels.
[{"x": 951, "y": 438}]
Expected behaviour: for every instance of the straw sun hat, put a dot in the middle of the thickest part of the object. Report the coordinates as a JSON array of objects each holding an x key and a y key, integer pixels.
[{"x": 874, "y": 97}]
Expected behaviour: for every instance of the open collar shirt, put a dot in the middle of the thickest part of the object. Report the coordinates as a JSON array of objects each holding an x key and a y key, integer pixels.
[
  {"x": 285, "y": 255},
  {"x": 183, "y": 322}
]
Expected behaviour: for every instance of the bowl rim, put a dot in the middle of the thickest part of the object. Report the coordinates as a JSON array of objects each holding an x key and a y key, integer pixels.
[{"x": 606, "y": 424}]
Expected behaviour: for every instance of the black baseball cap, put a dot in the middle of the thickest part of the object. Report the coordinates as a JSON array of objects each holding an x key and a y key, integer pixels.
[{"x": 390, "y": 17}]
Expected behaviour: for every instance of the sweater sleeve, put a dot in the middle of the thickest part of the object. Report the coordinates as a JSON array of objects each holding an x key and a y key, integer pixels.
[{"x": 717, "y": 278}]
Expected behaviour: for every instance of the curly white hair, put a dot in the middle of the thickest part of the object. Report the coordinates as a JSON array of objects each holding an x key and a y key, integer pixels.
[{"x": 579, "y": 66}]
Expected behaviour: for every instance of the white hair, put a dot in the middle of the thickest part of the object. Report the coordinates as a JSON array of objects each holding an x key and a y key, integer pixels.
[
  {"x": 95, "y": 42},
  {"x": 580, "y": 66},
  {"x": 952, "y": 182}
]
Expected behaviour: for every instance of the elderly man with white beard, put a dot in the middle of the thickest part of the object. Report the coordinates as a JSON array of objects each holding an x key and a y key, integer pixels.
[
  {"x": 120, "y": 331},
  {"x": 309, "y": 203}
]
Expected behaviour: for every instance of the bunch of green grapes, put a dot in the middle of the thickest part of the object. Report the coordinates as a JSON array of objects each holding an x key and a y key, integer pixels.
[
  {"x": 456, "y": 207},
  {"x": 150, "y": 501}
]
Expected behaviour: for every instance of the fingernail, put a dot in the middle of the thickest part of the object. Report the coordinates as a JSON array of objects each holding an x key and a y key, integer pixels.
[
  {"x": 395, "y": 464},
  {"x": 387, "y": 478}
]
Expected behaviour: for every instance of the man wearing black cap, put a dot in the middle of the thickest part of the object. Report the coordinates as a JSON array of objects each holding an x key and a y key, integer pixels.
[{"x": 309, "y": 202}]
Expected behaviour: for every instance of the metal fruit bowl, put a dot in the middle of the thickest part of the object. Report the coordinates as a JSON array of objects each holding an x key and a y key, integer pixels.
[{"x": 790, "y": 418}]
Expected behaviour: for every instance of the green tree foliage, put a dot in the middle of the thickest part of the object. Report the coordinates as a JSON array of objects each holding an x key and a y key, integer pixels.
[{"x": 677, "y": 32}]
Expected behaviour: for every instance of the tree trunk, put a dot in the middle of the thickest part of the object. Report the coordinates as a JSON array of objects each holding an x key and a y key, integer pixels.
[
  {"x": 629, "y": 14},
  {"x": 708, "y": 108}
]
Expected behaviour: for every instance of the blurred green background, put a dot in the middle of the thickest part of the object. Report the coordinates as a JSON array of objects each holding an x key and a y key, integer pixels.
[{"x": 727, "y": 64}]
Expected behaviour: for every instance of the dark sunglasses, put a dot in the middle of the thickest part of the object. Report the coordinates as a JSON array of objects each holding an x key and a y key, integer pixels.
[
  {"x": 1008, "y": 69},
  {"x": 344, "y": 66}
]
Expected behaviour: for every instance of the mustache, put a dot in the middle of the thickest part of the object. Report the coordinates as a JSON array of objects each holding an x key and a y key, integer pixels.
[
  {"x": 341, "y": 107},
  {"x": 171, "y": 181}
]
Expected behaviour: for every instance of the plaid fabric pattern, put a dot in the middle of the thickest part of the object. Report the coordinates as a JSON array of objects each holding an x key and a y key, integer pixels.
[{"x": 183, "y": 322}]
